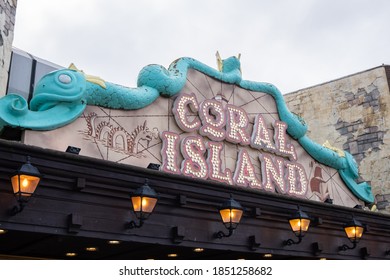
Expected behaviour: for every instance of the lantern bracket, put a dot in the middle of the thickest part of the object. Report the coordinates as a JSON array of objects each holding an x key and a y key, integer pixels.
[
  {"x": 24, "y": 182},
  {"x": 220, "y": 234},
  {"x": 353, "y": 235},
  {"x": 143, "y": 195},
  {"x": 290, "y": 242},
  {"x": 345, "y": 247},
  {"x": 299, "y": 223},
  {"x": 231, "y": 212},
  {"x": 17, "y": 208},
  {"x": 132, "y": 224}
]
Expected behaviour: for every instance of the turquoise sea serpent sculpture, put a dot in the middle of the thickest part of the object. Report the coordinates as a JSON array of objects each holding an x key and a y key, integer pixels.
[{"x": 60, "y": 97}]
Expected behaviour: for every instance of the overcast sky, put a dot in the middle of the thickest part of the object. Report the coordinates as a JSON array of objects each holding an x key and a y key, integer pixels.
[{"x": 291, "y": 44}]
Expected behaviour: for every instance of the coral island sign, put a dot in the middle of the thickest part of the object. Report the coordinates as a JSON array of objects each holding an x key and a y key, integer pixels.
[
  {"x": 193, "y": 121},
  {"x": 202, "y": 159}
]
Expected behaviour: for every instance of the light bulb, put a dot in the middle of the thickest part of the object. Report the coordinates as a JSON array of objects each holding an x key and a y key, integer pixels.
[{"x": 25, "y": 183}]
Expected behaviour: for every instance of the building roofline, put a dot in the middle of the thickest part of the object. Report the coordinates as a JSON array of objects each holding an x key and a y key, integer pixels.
[{"x": 343, "y": 77}]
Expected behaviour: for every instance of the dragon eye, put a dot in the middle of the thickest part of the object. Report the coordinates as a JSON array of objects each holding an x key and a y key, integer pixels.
[{"x": 65, "y": 79}]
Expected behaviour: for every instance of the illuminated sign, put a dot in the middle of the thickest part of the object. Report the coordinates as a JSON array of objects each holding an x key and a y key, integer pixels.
[
  {"x": 209, "y": 130},
  {"x": 214, "y": 123}
]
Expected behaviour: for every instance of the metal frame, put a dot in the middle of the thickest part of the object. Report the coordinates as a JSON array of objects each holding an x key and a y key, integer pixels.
[{"x": 90, "y": 198}]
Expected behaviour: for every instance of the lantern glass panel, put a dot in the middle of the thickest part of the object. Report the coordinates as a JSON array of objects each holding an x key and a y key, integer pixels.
[
  {"x": 354, "y": 233},
  {"x": 24, "y": 185},
  {"x": 143, "y": 204},
  {"x": 299, "y": 226},
  {"x": 231, "y": 215}
]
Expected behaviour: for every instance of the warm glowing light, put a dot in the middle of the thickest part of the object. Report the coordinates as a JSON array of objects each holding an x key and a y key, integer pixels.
[
  {"x": 354, "y": 232},
  {"x": 273, "y": 170},
  {"x": 211, "y": 123},
  {"x": 299, "y": 225},
  {"x": 144, "y": 204},
  {"x": 198, "y": 250},
  {"x": 91, "y": 249},
  {"x": 3, "y": 231},
  {"x": 25, "y": 180},
  {"x": 268, "y": 255},
  {"x": 231, "y": 215},
  {"x": 173, "y": 255},
  {"x": 136, "y": 203},
  {"x": 170, "y": 152},
  {"x": 194, "y": 164},
  {"x": 236, "y": 126},
  {"x": 231, "y": 212},
  {"x": 114, "y": 242},
  {"x": 214, "y": 162},
  {"x": 71, "y": 254},
  {"x": 245, "y": 174},
  {"x": 144, "y": 200},
  {"x": 25, "y": 183}
]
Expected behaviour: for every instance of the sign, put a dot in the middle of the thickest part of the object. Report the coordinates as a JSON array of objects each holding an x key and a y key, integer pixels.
[
  {"x": 209, "y": 130},
  {"x": 217, "y": 122}
]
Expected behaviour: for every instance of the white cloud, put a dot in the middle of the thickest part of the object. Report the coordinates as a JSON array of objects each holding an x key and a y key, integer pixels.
[{"x": 292, "y": 44}]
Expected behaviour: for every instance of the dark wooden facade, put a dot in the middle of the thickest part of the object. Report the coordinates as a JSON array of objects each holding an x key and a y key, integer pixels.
[{"x": 83, "y": 202}]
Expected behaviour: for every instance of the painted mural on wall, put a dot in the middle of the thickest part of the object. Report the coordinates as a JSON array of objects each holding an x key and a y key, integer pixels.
[
  {"x": 193, "y": 121},
  {"x": 115, "y": 138}
]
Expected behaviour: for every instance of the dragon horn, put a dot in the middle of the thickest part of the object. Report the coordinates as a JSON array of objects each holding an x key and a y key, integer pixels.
[
  {"x": 73, "y": 67},
  {"x": 219, "y": 61}
]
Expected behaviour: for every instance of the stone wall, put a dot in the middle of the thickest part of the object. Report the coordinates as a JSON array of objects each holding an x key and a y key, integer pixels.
[
  {"x": 353, "y": 113},
  {"x": 7, "y": 22}
]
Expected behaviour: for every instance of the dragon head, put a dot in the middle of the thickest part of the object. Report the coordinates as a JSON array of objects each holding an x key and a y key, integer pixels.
[
  {"x": 230, "y": 64},
  {"x": 61, "y": 86}
]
